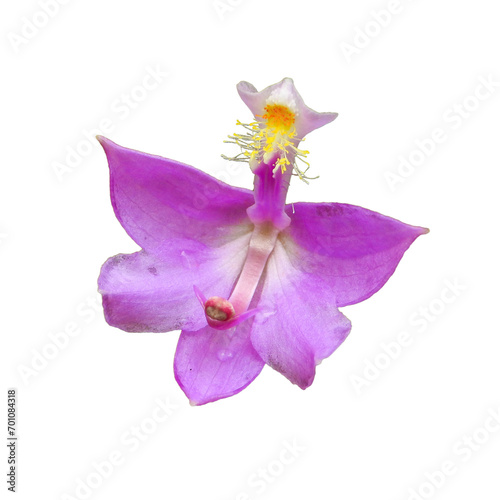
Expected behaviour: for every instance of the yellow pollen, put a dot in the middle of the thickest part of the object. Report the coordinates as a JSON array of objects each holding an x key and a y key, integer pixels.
[
  {"x": 273, "y": 135},
  {"x": 278, "y": 117}
]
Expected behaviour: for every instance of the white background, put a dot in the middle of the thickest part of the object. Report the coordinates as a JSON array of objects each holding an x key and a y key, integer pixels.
[{"x": 376, "y": 439}]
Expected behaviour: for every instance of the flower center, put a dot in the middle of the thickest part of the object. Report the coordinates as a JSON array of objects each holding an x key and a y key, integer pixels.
[
  {"x": 279, "y": 118},
  {"x": 272, "y": 140}
]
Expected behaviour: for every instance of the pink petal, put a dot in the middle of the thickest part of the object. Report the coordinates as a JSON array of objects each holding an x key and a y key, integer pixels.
[
  {"x": 213, "y": 364},
  {"x": 352, "y": 250},
  {"x": 194, "y": 231},
  {"x": 144, "y": 293},
  {"x": 302, "y": 325},
  {"x": 156, "y": 199}
]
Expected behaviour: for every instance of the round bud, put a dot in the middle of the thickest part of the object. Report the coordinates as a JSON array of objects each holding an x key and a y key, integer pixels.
[{"x": 219, "y": 309}]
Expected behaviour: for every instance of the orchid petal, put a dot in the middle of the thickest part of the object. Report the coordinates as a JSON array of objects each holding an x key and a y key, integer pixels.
[
  {"x": 212, "y": 364},
  {"x": 190, "y": 225},
  {"x": 156, "y": 199},
  {"x": 354, "y": 251},
  {"x": 284, "y": 92},
  {"x": 303, "y": 325},
  {"x": 143, "y": 293}
]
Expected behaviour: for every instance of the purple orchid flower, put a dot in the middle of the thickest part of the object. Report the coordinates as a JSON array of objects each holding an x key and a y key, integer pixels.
[{"x": 274, "y": 274}]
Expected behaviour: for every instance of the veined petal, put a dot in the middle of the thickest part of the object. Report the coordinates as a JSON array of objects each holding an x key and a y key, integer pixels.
[
  {"x": 302, "y": 324},
  {"x": 194, "y": 231},
  {"x": 352, "y": 250},
  {"x": 144, "y": 293},
  {"x": 212, "y": 364},
  {"x": 284, "y": 93},
  {"x": 156, "y": 199}
]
